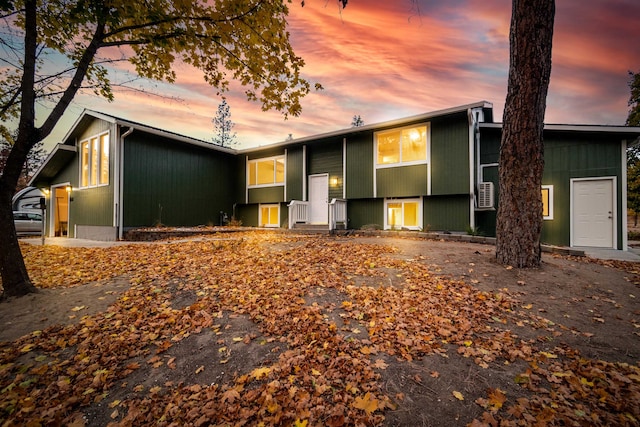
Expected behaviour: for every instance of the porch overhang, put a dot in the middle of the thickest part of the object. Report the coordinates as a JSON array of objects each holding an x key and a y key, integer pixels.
[{"x": 59, "y": 157}]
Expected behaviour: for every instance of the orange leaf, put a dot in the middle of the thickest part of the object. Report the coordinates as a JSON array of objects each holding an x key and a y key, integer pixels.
[
  {"x": 367, "y": 403},
  {"x": 497, "y": 398}
]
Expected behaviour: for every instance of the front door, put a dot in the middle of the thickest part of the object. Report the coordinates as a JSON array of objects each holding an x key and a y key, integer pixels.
[
  {"x": 318, "y": 199},
  {"x": 60, "y": 210},
  {"x": 593, "y": 213}
]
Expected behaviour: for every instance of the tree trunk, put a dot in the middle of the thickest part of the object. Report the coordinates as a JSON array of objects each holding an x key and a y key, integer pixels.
[
  {"x": 519, "y": 220},
  {"x": 15, "y": 279}
]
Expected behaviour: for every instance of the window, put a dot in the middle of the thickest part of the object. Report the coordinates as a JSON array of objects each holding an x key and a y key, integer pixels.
[
  {"x": 398, "y": 146},
  {"x": 547, "y": 202},
  {"x": 269, "y": 215},
  {"x": 403, "y": 213},
  {"x": 94, "y": 161},
  {"x": 265, "y": 172}
]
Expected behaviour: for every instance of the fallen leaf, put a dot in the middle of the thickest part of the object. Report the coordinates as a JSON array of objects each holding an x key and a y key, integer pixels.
[
  {"x": 367, "y": 403},
  {"x": 458, "y": 395}
]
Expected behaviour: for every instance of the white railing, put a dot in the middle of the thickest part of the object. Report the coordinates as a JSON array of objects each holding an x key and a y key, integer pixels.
[
  {"x": 298, "y": 212},
  {"x": 337, "y": 213}
]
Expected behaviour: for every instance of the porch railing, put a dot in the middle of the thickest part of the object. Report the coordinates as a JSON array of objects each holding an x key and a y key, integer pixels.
[
  {"x": 298, "y": 212},
  {"x": 337, "y": 213}
]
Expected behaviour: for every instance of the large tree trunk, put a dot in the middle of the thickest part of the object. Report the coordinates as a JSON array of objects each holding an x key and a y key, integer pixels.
[
  {"x": 15, "y": 279},
  {"x": 521, "y": 163}
]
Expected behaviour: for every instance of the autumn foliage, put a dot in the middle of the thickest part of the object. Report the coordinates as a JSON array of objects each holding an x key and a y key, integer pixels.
[{"x": 333, "y": 311}]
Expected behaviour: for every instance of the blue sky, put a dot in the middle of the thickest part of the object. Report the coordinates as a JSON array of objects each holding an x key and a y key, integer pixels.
[{"x": 382, "y": 60}]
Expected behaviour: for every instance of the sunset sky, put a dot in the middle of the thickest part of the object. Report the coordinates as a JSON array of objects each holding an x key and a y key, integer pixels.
[{"x": 383, "y": 60}]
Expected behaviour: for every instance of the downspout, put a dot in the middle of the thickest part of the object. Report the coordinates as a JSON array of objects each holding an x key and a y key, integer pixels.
[
  {"x": 120, "y": 186},
  {"x": 472, "y": 162}
]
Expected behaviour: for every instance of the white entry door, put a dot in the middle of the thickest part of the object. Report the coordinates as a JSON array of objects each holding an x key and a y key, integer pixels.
[
  {"x": 318, "y": 199},
  {"x": 593, "y": 214}
]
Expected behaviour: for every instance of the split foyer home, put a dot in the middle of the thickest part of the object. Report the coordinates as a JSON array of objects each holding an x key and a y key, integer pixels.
[{"x": 436, "y": 171}]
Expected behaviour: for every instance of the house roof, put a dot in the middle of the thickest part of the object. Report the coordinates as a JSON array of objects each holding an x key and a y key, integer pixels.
[
  {"x": 64, "y": 151},
  {"x": 56, "y": 160},
  {"x": 390, "y": 123},
  {"x": 631, "y": 132},
  {"x": 89, "y": 115}
]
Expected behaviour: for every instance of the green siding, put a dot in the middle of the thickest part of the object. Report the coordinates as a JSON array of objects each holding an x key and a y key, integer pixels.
[
  {"x": 268, "y": 152},
  {"x": 295, "y": 167},
  {"x": 403, "y": 181},
  {"x": 360, "y": 166},
  {"x": 97, "y": 206},
  {"x": 446, "y": 213},
  {"x": 266, "y": 195},
  {"x": 248, "y": 214},
  {"x": 450, "y": 155},
  {"x": 174, "y": 183},
  {"x": 326, "y": 157},
  {"x": 365, "y": 212},
  {"x": 241, "y": 179},
  {"x": 567, "y": 156},
  {"x": 486, "y": 220}
]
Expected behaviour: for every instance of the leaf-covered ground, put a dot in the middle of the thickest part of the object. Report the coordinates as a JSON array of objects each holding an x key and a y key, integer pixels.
[{"x": 272, "y": 329}]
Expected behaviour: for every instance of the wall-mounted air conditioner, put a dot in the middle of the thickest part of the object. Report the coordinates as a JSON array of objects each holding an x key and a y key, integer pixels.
[{"x": 485, "y": 195}]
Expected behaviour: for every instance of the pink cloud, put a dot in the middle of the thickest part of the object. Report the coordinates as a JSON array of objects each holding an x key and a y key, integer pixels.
[{"x": 382, "y": 60}]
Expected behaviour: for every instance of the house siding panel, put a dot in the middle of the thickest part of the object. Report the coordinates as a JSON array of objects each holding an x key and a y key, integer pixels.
[
  {"x": 295, "y": 163},
  {"x": 450, "y": 155},
  {"x": 404, "y": 181},
  {"x": 326, "y": 157},
  {"x": 96, "y": 127},
  {"x": 574, "y": 156},
  {"x": 174, "y": 184},
  {"x": 567, "y": 156},
  {"x": 247, "y": 214},
  {"x": 363, "y": 212},
  {"x": 266, "y": 195},
  {"x": 360, "y": 166},
  {"x": 446, "y": 213}
]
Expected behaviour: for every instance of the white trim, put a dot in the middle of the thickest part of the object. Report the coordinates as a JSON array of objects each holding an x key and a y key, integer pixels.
[
  {"x": 550, "y": 202},
  {"x": 613, "y": 179},
  {"x": 88, "y": 140},
  {"x": 419, "y": 201},
  {"x": 282, "y": 157},
  {"x": 268, "y": 205},
  {"x": 311, "y": 207},
  {"x": 401, "y": 163},
  {"x": 52, "y": 209}
]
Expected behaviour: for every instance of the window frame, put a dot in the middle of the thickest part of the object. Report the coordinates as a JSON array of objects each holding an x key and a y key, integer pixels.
[
  {"x": 417, "y": 200},
  {"x": 549, "y": 189},
  {"x": 275, "y": 160},
  {"x": 92, "y": 172},
  {"x": 268, "y": 206},
  {"x": 401, "y": 162}
]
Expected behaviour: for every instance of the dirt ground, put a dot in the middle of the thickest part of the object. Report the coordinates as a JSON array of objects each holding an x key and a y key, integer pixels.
[{"x": 568, "y": 305}]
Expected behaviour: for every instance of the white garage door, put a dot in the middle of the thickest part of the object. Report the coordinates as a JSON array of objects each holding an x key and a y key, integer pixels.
[{"x": 594, "y": 221}]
